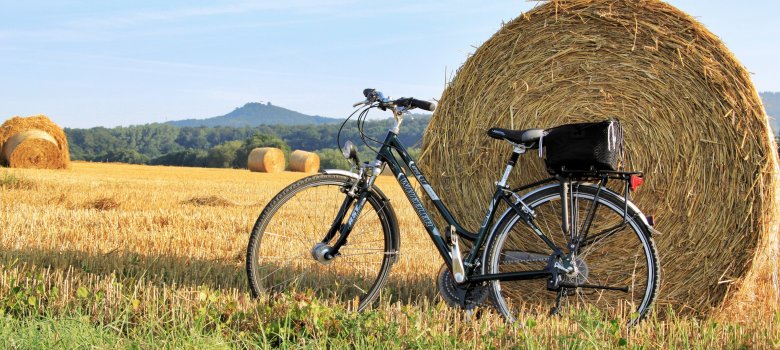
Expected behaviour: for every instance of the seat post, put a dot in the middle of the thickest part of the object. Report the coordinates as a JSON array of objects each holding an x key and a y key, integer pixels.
[{"x": 512, "y": 161}]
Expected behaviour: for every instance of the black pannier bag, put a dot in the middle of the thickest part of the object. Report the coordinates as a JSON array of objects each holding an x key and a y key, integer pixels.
[{"x": 584, "y": 147}]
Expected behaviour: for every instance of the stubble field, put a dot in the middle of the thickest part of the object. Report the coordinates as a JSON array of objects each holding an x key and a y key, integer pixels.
[{"x": 114, "y": 255}]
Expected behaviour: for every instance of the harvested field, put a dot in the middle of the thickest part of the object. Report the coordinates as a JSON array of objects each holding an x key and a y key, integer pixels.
[
  {"x": 209, "y": 201},
  {"x": 693, "y": 123},
  {"x": 167, "y": 270},
  {"x": 140, "y": 213},
  {"x": 104, "y": 203}
]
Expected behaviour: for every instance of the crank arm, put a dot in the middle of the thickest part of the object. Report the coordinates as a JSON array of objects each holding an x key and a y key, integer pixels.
[{"x": 593, "y": 286}]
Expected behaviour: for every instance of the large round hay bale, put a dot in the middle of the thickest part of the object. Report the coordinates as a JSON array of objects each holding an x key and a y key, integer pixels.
[
  {"x": 266, "y": 159},
  {"x": 693, "y": 122},
  {"x": 305, "y": 162},
  {"x": 33, "y": 142}
]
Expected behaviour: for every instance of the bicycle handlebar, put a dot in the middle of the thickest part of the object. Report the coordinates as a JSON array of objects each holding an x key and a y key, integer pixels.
[{"x": 372, "y": 95}]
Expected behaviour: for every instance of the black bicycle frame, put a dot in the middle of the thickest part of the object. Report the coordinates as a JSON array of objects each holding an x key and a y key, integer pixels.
[{"x": 502, "y": 193}]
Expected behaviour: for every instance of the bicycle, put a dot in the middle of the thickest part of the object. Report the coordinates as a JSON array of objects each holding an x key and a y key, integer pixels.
[{"x": 593, "y": 249}]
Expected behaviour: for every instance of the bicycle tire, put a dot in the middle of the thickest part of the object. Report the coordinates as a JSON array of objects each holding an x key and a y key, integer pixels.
[
  {"x": 293, "y": 227},
  {"x": 524, "y": 250}
]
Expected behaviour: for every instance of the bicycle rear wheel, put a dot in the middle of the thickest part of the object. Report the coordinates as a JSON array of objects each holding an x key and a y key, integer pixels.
[
  {"x": 614, "y": 254},
  {"x": 280, "y": 258}
]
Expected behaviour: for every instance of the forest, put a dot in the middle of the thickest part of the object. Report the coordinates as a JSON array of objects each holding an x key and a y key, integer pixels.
[{"x": 228, "y": 147}]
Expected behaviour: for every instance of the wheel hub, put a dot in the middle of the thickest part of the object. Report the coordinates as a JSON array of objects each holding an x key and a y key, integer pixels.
[
  {"x": 580, "y": 273},
  {"x": 322, "y": 253}
]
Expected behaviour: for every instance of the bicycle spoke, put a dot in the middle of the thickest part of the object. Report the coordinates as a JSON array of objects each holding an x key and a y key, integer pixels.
[
  {"x": 602, "y": 235},
  {"x": 287, "y": 258},
  {"x": 298, "y": 238},
  {"x": 368, "y": 249},
  {"x": 359, "y": 254},
  {"x": 363, "y": 214},
  {"x": 279, "y": 268},
  {"x": 366, "y": 242}
]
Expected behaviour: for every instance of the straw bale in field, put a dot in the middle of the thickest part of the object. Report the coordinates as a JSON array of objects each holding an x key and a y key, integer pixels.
[
  {"x": 693, "y": 122},
  {"x": 305, "y": 162},
  {"x": 33, "y": 142},
  {"x": 266, "y": 159}
]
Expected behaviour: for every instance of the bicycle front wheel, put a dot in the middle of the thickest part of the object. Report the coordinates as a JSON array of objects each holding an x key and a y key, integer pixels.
[
  {"x": 280, "y": 258},
  {"x": 616, "y": 255}
]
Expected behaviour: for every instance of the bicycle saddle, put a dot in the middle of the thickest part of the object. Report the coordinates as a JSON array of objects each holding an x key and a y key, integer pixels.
[{"x": 528, "y": 138}]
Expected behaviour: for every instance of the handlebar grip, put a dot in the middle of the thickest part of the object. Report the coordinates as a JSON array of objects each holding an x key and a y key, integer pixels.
[
  {"x": 428, "y": 106},
  {"x": 415, "y": 103}
]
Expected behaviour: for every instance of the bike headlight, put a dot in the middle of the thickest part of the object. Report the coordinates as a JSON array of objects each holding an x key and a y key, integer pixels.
[{"x": 350, "y": 152}]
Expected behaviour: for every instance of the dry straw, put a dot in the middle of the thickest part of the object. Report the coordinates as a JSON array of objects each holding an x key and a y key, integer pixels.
[
  {"x": 209, "y": 201},
  {"x": 103, "y": 203},
  {"x": 693, "y": 122},
  {"x": 33, "y": 142},
  {"x": 305, "y": 162},
  {"x": 266, "y": 159}
]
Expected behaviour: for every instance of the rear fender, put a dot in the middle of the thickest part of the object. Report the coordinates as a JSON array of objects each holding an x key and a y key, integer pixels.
[{"x": 631, "y": 205}]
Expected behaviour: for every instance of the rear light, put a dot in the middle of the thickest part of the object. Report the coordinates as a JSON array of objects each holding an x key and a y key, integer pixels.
[
  {"x": 650, "y": 220},
  {"x": 635, "y": 182}
]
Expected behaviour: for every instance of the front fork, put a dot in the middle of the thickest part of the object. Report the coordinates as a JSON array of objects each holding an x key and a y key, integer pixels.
[{"x": 356, "y": 197}]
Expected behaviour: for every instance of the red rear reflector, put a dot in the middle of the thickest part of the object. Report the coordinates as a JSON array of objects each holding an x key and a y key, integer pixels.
[{"x": 636, "y": 181}]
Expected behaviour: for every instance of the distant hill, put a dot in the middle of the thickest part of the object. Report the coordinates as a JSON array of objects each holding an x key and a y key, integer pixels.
[
  {"x": 772, "y": 105},
  {"x": 255, "y": 114}
]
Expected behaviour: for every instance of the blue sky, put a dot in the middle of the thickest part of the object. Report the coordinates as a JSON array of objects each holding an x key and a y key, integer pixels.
[{"x": 108, "y": 63}]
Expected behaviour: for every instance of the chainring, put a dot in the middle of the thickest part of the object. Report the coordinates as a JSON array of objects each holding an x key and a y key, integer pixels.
[{"x": 465, "y": 296}]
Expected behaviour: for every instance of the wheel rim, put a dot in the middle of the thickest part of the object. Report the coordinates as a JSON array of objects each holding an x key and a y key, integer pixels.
[
  {"x": 623, "y": 259},
  {"x": 284, "y": 260}
]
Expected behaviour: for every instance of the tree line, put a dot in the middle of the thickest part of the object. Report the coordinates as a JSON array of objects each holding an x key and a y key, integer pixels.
[{"x": 226, "y": 147}]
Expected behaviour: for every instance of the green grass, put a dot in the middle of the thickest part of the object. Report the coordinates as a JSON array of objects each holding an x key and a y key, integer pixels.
[
  {"x": 9, "y": 180},
  {"x": 80, "y": 333},
  {"x": 368, "y": 331},
  {"x": 34, "y": 315}
]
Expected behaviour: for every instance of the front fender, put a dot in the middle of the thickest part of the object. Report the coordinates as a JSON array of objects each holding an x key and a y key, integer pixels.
[{"x": 340, "y": 172}]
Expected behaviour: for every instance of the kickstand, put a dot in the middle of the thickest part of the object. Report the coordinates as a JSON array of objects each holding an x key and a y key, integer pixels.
[{"x": 554, "y": 310}]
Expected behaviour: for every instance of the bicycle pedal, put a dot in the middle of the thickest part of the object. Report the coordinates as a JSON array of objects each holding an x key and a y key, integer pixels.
[{"x": 458, "y": 271}]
